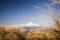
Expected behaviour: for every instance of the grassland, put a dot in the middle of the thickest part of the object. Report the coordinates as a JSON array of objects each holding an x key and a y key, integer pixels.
[{"x": 15, "y": 33}]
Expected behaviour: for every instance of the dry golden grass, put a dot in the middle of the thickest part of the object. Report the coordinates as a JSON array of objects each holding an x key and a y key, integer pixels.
[
  {"x": 42, "y": 34},
  {"x": 17, "y": 34},
  {"x": 57, "y": 24}
]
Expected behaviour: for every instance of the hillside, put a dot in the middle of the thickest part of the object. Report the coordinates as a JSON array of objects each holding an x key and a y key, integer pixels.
[{"x": 15, "y": 33}]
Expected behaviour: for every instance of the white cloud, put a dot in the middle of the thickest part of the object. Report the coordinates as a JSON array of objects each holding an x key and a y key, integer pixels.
[
  {"x": 23, "y": 25},
  {"x": 37, "y": 7}
]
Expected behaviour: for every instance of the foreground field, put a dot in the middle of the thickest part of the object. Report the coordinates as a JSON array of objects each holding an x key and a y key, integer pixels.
[{"x": 15, "y": 33}]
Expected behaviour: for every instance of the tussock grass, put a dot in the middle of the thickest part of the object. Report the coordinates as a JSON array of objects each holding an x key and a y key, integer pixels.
[{"x": 16, "y": 34}]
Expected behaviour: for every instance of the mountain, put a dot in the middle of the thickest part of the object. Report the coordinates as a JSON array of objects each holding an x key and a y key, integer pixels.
[{"x": 31, "y": 26}]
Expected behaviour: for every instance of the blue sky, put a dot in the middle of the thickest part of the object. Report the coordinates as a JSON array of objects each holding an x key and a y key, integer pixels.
[{"x": 23, "y": 11}]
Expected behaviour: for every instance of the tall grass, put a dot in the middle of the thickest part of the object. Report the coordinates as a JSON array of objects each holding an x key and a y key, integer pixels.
[
  {"x": 16, "y": 34},
  {"x": 11, "y": 33}
]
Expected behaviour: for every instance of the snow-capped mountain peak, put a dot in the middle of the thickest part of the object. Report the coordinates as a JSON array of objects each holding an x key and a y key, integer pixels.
[{"x": 32, "y": 24}]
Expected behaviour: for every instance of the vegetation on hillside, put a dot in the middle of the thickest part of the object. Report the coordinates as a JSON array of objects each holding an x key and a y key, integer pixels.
[{"x": 13, "y": 33}]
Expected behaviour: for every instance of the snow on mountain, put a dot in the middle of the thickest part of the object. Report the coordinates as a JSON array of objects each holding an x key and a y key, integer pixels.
[{"x": 32, "y": 24}]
